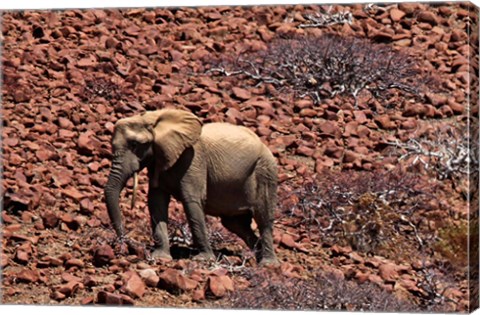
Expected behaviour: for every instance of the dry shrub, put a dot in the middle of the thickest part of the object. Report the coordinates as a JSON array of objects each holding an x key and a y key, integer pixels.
[
  {"x": 372, "y": 212},
  {"x": 327, "y": 65},
  {"x": 100, "y": 87},
  {"x": 324, "y": 292},
  {"x": 452, "y": 244}
]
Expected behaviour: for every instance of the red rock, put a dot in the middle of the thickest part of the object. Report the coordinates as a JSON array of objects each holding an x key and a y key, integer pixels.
[
  {"x": 351, "y": 157},
  {"x": 234, "y": 116},
  {"x": 150, "y": 277},
  {"x": 87, "y": 300},
  {"x": 308, "y": 112},
  {"x": 108, "y": 298},
  {"x": 289, "y": 270},
  {"x": 67, "y": 277},
  {"x": 339, "y": 250},
  {"x": 437, "y": 100},
  {"x": 357, "y": 258},
  {"x": 22, "y": 256},
  {"x": 74, "y": 262},
  {"x": 388, "y": 271},
  {"x": 134, "y": 285},
  {"x": 414, "y": 110},
  {"x": 361, "y": 277},
  {"x": 58, "y": 296},
  {"x": 3, "y": 260},
  {"x": 241, "y": 94},
  {"x": 446, "y": 111},
  {"x": 28, "y": 275},
  {"x": 90, "y": 281},
  {"x": 198, "y": 295},
  {"x": 174, "y": 280},
  {"x": 103, "y": 255},
  {"x": 11, "y": 142},
  {"x": 407, "y": 284},
  {"x": 90, "y": 61},
  {"x": 384, "y": 122},
  {"x": 375, "y": 279},
  {"x": 73, "y": 193},
  {"x": 288, "y": 241},
  {"x": 304, "y": 150},
  {"x": 330, "y": 128},
  {"x": 54, "y": 261},
  {"x": 70, "y": 288},
  {"x": 409, "y": 124},
  {"x": 84, "y": 144},
  {"x": 220, "y": 285},
  {"x": 456, "y": 107},
  {"x": 458, "y": 35},
  {"x": 65, "y": 123},
  {"x": 396, "y": 14},
  {"x": 360, "y": 116},
  {"x": 50, "y": 219},
  {"x": 427, "y": 17},
  {"x": 62, "y": 177}
]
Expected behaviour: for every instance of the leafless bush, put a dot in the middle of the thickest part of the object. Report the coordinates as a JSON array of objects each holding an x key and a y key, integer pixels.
[
  {"x": 328, "y": 65},
  {"x": 447, "y": 153},
  {"x": 100, "y": 87},
  {"x": 325, "y": 19},
  {"x": 370, "y": 211},
  {"x": 325, "y": 292}
]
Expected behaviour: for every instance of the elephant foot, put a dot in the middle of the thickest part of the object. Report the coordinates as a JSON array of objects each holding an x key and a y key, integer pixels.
[
  {"x": 204, "y": 256},
  {"x": 269, "y": 262},
  {"x": 160, "y": 254}
]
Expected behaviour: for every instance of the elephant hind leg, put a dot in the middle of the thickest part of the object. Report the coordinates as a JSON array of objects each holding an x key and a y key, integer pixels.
[
  {"x": 240, "y": 225},
  {"x": 264, "y": 217}
]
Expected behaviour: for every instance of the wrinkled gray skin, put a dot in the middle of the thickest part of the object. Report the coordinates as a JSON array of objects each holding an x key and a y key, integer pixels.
[{"x": 218, "y": 169}]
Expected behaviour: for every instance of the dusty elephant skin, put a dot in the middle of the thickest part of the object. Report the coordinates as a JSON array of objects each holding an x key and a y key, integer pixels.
[{"x": 216, "y": 169}]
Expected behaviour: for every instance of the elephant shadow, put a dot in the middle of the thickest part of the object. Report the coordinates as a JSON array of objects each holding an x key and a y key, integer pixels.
[{"x": 184, "y": 252}]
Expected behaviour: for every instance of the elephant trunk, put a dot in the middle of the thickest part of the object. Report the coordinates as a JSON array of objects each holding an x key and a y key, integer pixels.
[{"x": 116, "y": 182}]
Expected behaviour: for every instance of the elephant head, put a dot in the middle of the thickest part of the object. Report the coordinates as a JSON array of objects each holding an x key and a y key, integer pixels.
[{"x": 155, "y": 139}]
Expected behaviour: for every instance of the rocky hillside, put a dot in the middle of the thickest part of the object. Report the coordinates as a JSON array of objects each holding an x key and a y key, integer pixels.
[{"x": 373, "y": 194}]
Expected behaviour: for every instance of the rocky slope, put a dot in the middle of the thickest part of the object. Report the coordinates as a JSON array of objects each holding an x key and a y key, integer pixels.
[{"x": 69, "y": 75}]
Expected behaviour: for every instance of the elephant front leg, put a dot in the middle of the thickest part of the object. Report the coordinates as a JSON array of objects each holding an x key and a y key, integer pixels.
[
  {"x": 158, "y": 206},
  {"x": 196, "y": 220}
]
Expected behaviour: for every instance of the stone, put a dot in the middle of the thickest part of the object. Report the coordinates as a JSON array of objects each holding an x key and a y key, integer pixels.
[
  {"x": 134, "y": 285},
  {"x": 150, "y": 277},
  {"x": 74, "y": 262},
  {"x": 50, "y": 220},
  {"x": 415, "y": 110},
  {"x": 396, "y": 14},
  {"x": 288, "y": 241},
  {"x": 241, "y": 94},
  {"x": 198, "y": 295},
  {"x": 388, "y": 272},
  {"x": 427, "y": 17},
  {"x": 108, "y": 298},
  {"x": 27, "y": 275},
  {"x": 219, "y": 286},
  {"x": 3, "y": 260},
  {"x": 174, "y": 281},
  {"x": 90, "y": 281},
  {"x": 70, "y": 288},
  {"x": 103, "y": 255},
  {"x": 384, "y": 122},
  {"x": 73, "y": 193}
]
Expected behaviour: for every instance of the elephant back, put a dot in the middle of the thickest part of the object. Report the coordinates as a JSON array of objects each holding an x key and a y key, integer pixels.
[{"x": 231, "y": 151}]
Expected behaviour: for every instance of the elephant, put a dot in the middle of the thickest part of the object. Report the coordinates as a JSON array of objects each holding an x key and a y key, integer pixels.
[{"x": 216, "y": 169}]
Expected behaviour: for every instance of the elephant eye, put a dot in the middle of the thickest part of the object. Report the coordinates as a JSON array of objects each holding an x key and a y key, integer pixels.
[{"x": 132, "y": 143}]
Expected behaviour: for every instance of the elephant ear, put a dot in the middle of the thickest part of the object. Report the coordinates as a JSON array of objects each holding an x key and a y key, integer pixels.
[{"x": 174, "y": 131}]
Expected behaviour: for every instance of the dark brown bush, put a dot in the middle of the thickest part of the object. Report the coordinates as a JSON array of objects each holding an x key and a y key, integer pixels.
[{"x": 322, "y": 67}]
